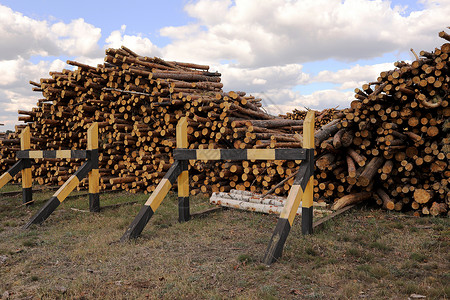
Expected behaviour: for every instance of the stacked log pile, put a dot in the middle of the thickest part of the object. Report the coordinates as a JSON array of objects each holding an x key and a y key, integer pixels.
[
  {"x": 321, "y": 117},
  {"x": 391, "y": 145},
  {"x": 137, "y": 102},
  {"x": 9, "y": 144}
]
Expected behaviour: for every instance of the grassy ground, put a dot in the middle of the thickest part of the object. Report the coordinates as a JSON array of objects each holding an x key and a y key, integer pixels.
[
  {"x": 11, "y": 188},
  {"x": 363, "y": 254}
]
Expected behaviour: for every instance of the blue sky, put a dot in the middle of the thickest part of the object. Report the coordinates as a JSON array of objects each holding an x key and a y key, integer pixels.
[
  {"x": 297, "y": 53},
  {"x": 141, "y": 17}
]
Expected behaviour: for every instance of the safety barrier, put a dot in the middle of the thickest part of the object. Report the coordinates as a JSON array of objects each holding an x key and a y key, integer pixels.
[
  {"x": 89, "y": 168},
  {"x": 301, "y": 190}
]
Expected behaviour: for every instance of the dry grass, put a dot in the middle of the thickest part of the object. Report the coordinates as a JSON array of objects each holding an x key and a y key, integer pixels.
[
  {"x": 365, "y": 253},
  {"x": 10, "y": 187}
]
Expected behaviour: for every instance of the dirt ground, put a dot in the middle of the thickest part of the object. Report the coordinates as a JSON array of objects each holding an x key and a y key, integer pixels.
[{"x": 363, "y": 254}]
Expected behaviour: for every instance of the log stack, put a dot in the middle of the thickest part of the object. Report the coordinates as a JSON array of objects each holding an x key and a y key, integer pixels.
[
  {"x": 137, "y": 102},
  {"x": 322, "y": 117},
  {"x": 9, "y": 143},
  {"x": 391, "y": 145}
]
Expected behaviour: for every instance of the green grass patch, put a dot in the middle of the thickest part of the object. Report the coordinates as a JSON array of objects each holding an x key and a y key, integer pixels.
[
  {"x": 419, "y": 257},
  {"x": 245, "y": 259},
  {"x": 354, "y": 252},
  {"x": 268, "y": 292},
  {"x": 376, "y": 271},
  {"x": 398, "y": 225},
  {"x": 379, "y": 246},
  {"x": 311, "y": 251},
  {"x": 10, "y": 187}
]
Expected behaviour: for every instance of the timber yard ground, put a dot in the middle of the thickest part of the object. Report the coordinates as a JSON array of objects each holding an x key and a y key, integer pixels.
[{"x": 364, "y": 253}]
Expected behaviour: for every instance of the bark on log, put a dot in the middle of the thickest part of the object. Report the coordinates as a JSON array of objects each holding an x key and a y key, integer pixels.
[{"x": 351, "y": 199}]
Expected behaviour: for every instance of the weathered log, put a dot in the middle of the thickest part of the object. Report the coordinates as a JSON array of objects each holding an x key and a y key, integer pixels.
[
  {"x": 325, "y": 132},
  {"x": 387, "y": 201},
  {"x": 370, "y": 170},
  {"x": 351, "y": 199}
]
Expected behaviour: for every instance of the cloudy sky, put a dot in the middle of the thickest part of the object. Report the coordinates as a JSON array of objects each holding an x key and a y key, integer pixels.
[{"x": 293, "y": 54}]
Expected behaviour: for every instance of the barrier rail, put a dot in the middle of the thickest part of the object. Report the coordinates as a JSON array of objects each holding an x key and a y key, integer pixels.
[
  {"x": 301, "y": 190},
  {"x": 89, "y": 168}
]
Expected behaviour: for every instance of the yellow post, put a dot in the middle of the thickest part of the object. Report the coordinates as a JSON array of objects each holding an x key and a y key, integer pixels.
[
  {"x": 94, "y": 184},
  {"x": 88, "y": 168},
  {"x": 153, "y": 202},
  {"x": 307, "y": 200},
  {"x": 25, "y": 144},
  {"x": 301, "y": 190},
  {"x": 183, "y": 178},
  {"x": 60, "y": 195}
]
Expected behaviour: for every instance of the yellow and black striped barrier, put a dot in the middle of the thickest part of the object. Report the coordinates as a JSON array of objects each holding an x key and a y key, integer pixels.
[
  {"x": 36, "y": 154},
  {"x": 90, "y": 167},
  {"x": 301, "y": 190},
  {"x": 178, "y": 171},
  {"x": 94, "y": 175},
  {"x": 239, "y": 154},
  {"x": 60, "y": 195},
  {"x": 24, "y": 166},
  {"x": 27, "y": 181},
  {"x": 183, "y": 179},
  {"x": 6, "y": 177},
  {"x": 153, "y": 202}
]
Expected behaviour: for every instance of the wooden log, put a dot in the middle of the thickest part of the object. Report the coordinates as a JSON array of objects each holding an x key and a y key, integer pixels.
[
  {"x": 438, "y": 208},
  {"x": 370, "y": 171},
  {"x": 325, "y": 161},
  {"x": 387, "y": 201},
  {"x": 325, "y": 132},
  {"x": 359, "y": 159},
  {"x": 351, "y": 199},
  {"x": 274, "y": 123},
  {"x": 422, "y": 196},
  {"x": 243, "y": 205},
  {"x": 444, "y": 35}
]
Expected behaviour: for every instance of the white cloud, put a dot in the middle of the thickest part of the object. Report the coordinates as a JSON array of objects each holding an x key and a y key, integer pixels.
[
  {"x": 140, "y": 45},
  {"x": 18, "y": 101},
  {"x": 352, "y": 77},
  {"x": 91, "y": 61},
  {"x": 261, "y": 79},
  {"x": 281, "y": 101},
  {"x": 277, "y": 32},
  {"x": 13, "y": 99},
  {"x": 18, "y": 72},
  {"x": 77, "y": 38},
  {"x": 9, "y": 121},
  {"x": 10, "y": 74},
  {"x": 15, "y": 91},
  {"x": 23, "y": 36},
  {"x": 214, "y": 7},
  {"x": 275, "y": 84}
]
